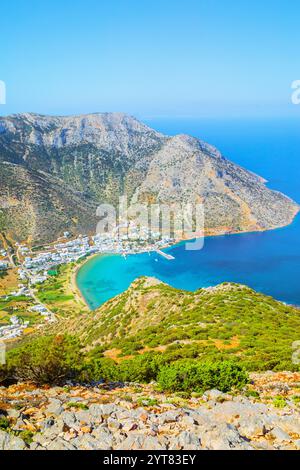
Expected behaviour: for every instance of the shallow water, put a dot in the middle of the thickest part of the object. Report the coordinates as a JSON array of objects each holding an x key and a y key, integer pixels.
[{"x": 267, "y": 261}]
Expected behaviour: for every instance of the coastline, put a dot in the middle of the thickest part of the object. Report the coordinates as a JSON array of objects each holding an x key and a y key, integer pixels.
[
  {"x": 209, "y": 234},
  {"x": 73, "y": 280}
]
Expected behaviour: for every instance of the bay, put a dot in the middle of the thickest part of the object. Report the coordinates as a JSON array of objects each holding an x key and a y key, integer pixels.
[{"x": 266, "y": 261}]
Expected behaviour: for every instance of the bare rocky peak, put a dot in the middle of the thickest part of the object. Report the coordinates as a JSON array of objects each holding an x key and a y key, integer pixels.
[
  {"x": 104, "y": 155},
  {"x": 109, "y": 131}
]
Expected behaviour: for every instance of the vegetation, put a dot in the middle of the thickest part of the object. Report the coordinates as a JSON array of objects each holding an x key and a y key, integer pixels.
[
  {"x": 189, "y": 376},
  {"x": 57, "y": 293},
  {"x": 229, "y": 322},
  {"x": 54, "y": 359},
  {"x": 45, "y": 360},
  {"x": 279, "y": 402},
  {"x": 186, "y": 342},
  {"x": 17, "y": 306}
]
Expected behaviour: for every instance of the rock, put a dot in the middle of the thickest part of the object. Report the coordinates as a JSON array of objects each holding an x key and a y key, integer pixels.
[
  {"x": 297, "y": 444},
  {"x": 253, "y": 426},
  {"x": 223, "y": 437},
  {"x": 290, "y": 424},
  {"x": 215, "y": 395},
  {"x": 168, "y": 417},
  {"x": 60, "y": 444},
  {"x": 138, "y": 442},
  {"x": 279, "y": 435},
  {"x": 262, "y": 445},
  {"x": 187, "y": 420},
  {"x": 35, "y": 446},
  {"x": 48, "y": 423},
  {"x": 200, "y": 417},
  {"x": 104, "y": 439},
  {"x": 55, "y": 407},
  {"x": 109, "y": 409},
  {"x": 185, "y": 441},
  {"x": 10, "y": 442},
  {"x": 85, "y": 442},
  {"x": 69, "y": 419},
  {"x": 83, "y": 417},
  {"x": 130, "y": 425},
  {"x": 19, "y": 425},
  {"x": 12, "y": 413},
  {"x": 138, "y": 413},
  {"x": 99, "y": 412},
  {"x": 113, "y": 424}
]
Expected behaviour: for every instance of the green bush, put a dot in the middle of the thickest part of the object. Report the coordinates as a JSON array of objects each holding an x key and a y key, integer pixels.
[
  {"x": 4, "y": 423},
  {"x": 195, "y": 376},
  {"x": 46, "y": 360},
  {"x": 96, "y": 369},
  {"x": 4, "y": 374},
  {"x": 143, "y": 368},
  {"x": 279, "y": 402}
]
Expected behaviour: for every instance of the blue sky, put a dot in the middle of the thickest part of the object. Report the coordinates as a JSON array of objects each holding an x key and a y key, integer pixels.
[{"x": 150, "y": 58}]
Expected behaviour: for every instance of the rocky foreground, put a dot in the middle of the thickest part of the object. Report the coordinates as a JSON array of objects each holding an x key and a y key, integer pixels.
[{"x": 131, "y": 417}]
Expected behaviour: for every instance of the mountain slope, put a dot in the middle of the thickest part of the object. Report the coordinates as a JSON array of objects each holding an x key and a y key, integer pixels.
[
  {"x": 226, "y": 320},
  {"x": 95, "y": 158}
]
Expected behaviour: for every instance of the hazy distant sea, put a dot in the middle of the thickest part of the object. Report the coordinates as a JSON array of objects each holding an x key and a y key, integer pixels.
[{"x": 268, "y": 262}]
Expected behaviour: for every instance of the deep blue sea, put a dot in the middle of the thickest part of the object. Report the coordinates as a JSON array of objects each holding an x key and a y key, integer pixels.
[{"x": 268, "y": 262}]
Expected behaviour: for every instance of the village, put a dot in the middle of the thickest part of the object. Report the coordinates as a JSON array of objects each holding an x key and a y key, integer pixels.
[{"x": 35, "y": 265}]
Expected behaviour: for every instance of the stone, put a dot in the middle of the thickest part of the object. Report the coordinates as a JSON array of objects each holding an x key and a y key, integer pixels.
[
  {"x": 185, "y": 441},
  {"x": 60, "y": 444},
  {"x": 168, "y": 417},
  {"x": 130, "y": 425},
  {"x": 215, "y": 395},
  {"x": 10, "y": 442},
  {"x": 253, "y": 426},
  {"x": 297, "y": 444},
  {"x": 55, "y": 407},
  {"x": 187, "y": 420},
  {"x": 290, "y": 424},
  {"x": 138, "y": 442},
  {"x": 69, "y": 419},
  {"x": 279, "y": 435},
  {"x": 104, "y": 439},
  {"x": 223, "y": 437},
  {"x": 113, "y": 424},
  {"x": 12, "y": 413},
  {"x": 83, "y": 417}
]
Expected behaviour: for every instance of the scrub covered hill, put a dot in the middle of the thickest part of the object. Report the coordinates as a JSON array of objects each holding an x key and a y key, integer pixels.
[{"x": 229, "y": 321}]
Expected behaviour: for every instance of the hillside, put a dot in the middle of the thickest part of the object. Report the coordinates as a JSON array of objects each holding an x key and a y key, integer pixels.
[
  {"x": 54, "y": 171},
  {"x": 226, "y": 321}
]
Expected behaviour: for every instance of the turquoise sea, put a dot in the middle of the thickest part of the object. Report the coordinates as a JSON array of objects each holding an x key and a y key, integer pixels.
[{"x": 269, "y": 261}]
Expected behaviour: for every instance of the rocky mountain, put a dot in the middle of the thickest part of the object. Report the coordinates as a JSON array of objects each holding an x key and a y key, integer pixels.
[{"x": 54, "y": 171}]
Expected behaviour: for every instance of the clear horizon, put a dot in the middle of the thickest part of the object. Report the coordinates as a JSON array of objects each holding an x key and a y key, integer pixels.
[{"x": 197, "y": 59}]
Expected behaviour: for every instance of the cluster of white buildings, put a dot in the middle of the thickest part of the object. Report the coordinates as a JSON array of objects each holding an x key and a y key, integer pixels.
[
  {"x": 125, "y": 239},
  {"x": 73, "y": 250},
  {"x": 43, "y": 311},
  {"x": 128, "y": 238},
  {"x": 14, "y": 329},
  {"x": 23, "y": 290},
  {"x": 61, "y": 253}
]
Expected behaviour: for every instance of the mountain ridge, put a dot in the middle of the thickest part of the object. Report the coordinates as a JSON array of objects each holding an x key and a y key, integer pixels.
[{"x": 101, "y": 156}]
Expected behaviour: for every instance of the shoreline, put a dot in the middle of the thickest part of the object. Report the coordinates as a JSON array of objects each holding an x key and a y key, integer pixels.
[
  {"x": 77, "y": 292},
  {"x": 73, "y": 280}
]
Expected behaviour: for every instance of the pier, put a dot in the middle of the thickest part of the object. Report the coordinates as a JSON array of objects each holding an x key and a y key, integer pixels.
[{"x": 164, "y": 255}]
